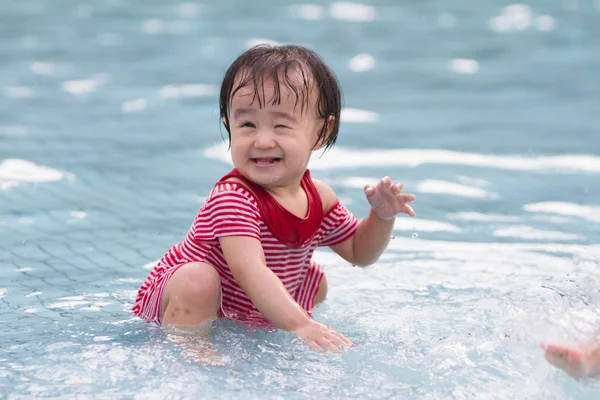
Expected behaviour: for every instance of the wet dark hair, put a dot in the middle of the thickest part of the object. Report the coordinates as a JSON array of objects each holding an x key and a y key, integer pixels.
[{"x": 284, "y": 64}]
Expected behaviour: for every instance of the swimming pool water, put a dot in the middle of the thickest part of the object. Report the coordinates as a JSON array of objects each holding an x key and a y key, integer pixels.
[{"x": 109, "y": 141}]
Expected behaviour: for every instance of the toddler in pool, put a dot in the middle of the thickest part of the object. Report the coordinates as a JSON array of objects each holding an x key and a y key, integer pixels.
[{"x": 247, "y": 255}]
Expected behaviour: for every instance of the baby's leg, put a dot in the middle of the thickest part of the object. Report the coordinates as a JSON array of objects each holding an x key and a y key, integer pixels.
[
  {"x": 194, "y": 343},
  {"x": 322, "y": 292},
  {"x": 192, "y": 295},
  {"x": 192, "y": 298}
]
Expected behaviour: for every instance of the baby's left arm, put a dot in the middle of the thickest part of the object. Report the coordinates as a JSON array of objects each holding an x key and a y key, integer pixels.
[{"x": 373, "y": 233}]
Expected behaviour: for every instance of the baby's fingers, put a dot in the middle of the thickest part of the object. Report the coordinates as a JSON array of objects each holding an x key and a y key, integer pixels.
[
  {"x": 343, "y": 341},
  {"x": 392, "y": 192},
  {"x": 313, "y": 344},
  {"x": 397, "y": 188},
  {"x": 405, "y": 208},
  {"x": 369, "y": 190},
  {"x": 406, "y": 198},
  {"x": 328, "y": 344},
  {"x": 337, "y": 339}
]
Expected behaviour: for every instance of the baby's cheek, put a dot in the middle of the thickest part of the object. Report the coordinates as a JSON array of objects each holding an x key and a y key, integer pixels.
[{"x": 305, "y": 159}]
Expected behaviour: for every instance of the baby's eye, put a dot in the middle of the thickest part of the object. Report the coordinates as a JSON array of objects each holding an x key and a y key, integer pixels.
[
  {"x": 281, "y": 127},
  {"x": 248, "y": 125}
]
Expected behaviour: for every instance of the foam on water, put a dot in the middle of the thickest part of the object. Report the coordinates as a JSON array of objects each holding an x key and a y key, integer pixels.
[
  {"x": 357, "y": 182},
  {"x": 151, "y": 264},
  {"x": 401, "y": 325},
  {"x": 188, "y": 10},
  {"x": 188, "y": 91},
  {"x": 423, "y": 225},
  {"x": 466, "y": 249},
  {"x": 456, "y": 189},
  {"x": 357, "y": 116},
  {"x": 153, "y": 26},
  {"x": 361, "y": 63},
  {"x": 43, "y": 68},
  {"x": 80, "y": 87},
  {"x": 545, "y": 22},
  {"x": 134, "y": 106},
  {"x": 527, "y": 232},
  {"x": 310, "y": 12},
  {"x": 78, "y": 215},
  {"x": 15, "y": 171},
  {"x": 514, "y": 17},
  {"x": 479, "y": 217},
  {"x": 590, "y": 213},
  {"x": 355, "y": 12},
  {"x": 346, "y": 158},
  {"x": 464, "y": 65},
  {"x": 19, "y": 92}
]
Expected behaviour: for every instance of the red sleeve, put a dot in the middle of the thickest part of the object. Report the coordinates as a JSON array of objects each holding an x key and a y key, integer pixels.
[
  {"x": 339, "y": 224},
  {"x": 230, "y": 210}
]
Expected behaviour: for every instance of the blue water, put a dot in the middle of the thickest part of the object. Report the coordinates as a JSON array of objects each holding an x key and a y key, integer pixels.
[{"x": 109, "y": 139}]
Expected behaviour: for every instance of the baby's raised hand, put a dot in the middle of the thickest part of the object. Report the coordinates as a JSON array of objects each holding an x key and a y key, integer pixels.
[{"x": 387, "y": 201}]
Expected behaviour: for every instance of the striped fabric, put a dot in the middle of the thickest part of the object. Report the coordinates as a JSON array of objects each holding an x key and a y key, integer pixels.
[{"x": 231, "y": 210}]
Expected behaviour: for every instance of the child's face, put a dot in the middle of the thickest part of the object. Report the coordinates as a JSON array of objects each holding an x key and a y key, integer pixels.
[{"x": 271, "y": 145}]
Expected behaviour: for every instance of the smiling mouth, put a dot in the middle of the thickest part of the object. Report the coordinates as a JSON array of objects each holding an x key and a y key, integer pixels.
[{"x": 265, "y": 160}]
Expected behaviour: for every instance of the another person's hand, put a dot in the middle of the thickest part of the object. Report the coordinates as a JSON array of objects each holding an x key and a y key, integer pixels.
[{"x": 576, "y": 362}]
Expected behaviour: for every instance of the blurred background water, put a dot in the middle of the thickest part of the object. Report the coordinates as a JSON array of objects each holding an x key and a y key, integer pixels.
[{"x": 110, "y": 139}]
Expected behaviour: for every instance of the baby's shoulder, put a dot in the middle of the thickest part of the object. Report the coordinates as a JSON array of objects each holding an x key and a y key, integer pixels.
[
  {"x": 231, "y": 188},
  {"x": 328, "y": 196},
  {"x": 229, "y": 184}
]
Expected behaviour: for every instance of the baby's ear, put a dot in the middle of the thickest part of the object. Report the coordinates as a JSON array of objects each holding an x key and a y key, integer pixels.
[
  {"x": 330, "y": 126},
  {"x": 226, "y": 124}
]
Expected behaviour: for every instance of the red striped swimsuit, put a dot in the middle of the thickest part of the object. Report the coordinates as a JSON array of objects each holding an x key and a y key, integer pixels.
[{"x": 233, "y": 210}]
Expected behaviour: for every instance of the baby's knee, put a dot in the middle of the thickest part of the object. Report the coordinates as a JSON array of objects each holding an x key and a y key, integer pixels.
[
  {"x": 199, "y": 282},
  {"x": 192, "y": 295}
]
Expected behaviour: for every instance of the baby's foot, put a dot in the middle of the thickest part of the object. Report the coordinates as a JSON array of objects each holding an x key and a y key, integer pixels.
[
  {"x": 195, "y": 344},
  {"x": 205, "y": 355},
  {"x": 577, "y": 363}
]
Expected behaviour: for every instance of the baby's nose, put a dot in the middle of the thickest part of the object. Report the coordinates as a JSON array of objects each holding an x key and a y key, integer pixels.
[{"x": 264, "y": 140}]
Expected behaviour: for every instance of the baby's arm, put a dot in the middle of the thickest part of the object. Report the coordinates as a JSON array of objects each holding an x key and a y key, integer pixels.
[
  {"x": 373, "y": 233},
  {"x": 368, "y": 242},
  {"x": 246, "y": 260}
]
